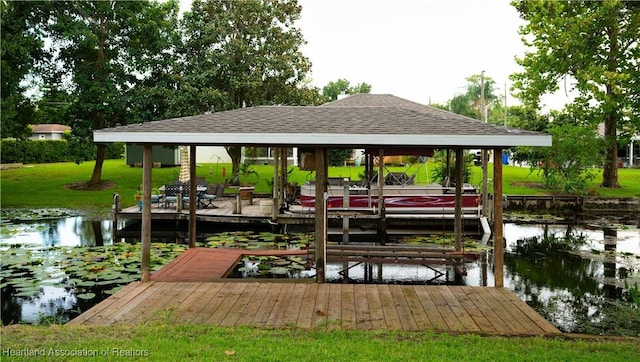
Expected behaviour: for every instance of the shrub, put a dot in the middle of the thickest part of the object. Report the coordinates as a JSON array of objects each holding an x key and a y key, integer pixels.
[{"x": 35, "y": 151}]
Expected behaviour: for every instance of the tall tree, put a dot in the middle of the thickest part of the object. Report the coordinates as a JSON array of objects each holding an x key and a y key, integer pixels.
[
  {"x": 106, "y": 47},
  {"x": 595, "y": 45},
  {"x": 469, "y": 103},
  {"x": 248, "y": 50},
  {"x": 21, "y": 50},
  {"x": 332, "y": 90}
]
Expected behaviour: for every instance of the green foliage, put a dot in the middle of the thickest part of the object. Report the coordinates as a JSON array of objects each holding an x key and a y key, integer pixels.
[
  {"x": 104, "y": 48},
  {"x": 592, "y": 47},
  {"x": 332, "y": 90},
  {"x": 439, "y": 174},
  {"x": 469, "y": 103},
  {"x": 245, "y": 175},
  {"x": 34, "y": 151},
  {"x": 633, "y": 292},
  {"x": 248, "y": 51},
  {"x": 338, "y": 157},
  {"x": 22, "y": 51},
  {"x": 568, "y": 165}
]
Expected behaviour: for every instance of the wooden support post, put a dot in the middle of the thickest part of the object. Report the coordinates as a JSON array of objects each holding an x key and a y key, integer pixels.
[
  {"x": 145, "y": 229},
  {"x": 498, "y": 233},
  {"x": 382, "y": 222},
  {"x": 321, "y": 214},
  {"x": 276, "y": 195},
  {"x": 192, "y": 196},
  {"x": 485, "y": 182},
  {"x": 447, "y": 180},
  {"x": 458, "y": 205},
  {"x": 345, "y": 218}
]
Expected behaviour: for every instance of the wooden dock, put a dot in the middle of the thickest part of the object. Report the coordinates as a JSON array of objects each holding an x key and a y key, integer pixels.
[
  {"x": 450, "y": 309},
  {"x": 192, "y": 289}
]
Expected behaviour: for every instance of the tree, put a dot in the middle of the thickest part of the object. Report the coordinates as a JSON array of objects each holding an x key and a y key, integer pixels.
[
  {"x": 595, "y": 45},
  {"x": 332, "y": 90},
  {"x": 22, "y": 50},
  {"x": 106, "y": 47},
  {"x": 469, "y": 103},
  {"x": 247, "y": 50}
]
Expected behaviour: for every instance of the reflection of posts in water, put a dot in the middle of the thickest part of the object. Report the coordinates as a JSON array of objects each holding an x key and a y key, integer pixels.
[
  {"x": 97, "y": 232},
  {"x": 610, "y": 245},
  {"x": 483, "y": 268}
]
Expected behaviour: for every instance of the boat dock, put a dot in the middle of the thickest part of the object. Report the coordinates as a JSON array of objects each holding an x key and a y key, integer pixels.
[
  {"x": 192, "y": 289},
  {"x": 360, "y": 221}
]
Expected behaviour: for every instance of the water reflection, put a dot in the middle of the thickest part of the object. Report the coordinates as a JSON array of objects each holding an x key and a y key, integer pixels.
[{"x": 71, "y": 231}]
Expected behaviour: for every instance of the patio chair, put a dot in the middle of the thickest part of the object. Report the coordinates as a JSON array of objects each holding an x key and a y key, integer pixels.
[
  {"x": 186, "y": 196},
  {"x": 171, "y": 194},
  {"x": 212, "y": 193}
]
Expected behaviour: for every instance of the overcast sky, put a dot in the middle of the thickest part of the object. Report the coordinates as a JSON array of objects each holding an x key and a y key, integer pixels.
[
  {"x": 415, "y": 49},
  {"x": 420, "y": 50}
]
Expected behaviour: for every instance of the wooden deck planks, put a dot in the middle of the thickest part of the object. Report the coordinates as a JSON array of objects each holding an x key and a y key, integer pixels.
[
  {"x": 333, "y": 306},
  {"x": 209, "y": 264},
  {"x": 361, "y": 304},
  {"x": 415, "y": 307}
]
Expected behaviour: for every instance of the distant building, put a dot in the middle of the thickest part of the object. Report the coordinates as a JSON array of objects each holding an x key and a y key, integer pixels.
[{"x": 48, "y": 131}]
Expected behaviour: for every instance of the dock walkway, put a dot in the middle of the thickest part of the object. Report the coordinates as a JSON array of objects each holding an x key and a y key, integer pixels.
[
  {"x": 451, "y": 309},
  {"x": 192, "y": 289}
]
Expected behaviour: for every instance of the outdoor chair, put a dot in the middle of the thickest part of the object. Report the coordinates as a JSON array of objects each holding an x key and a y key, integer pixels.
[
  {"x": 186, "y": 196},
  {"x": 212, "y": 193},
  {"x": 171, "y": 194}
]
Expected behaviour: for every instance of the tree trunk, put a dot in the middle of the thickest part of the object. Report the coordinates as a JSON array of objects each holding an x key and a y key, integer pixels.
[
  {"x": 610, "y": 172},
  {"x": 96, "y": 176},
  {"x": 235, "y": 152}
]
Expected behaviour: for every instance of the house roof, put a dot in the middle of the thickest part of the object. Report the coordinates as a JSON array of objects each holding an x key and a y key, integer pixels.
[
  {"x": 49, "y": 128},
  {"x": 355, "y": 122}
]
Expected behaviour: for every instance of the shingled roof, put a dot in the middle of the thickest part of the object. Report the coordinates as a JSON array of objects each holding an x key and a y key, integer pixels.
[{"x": 356, "y": 121}]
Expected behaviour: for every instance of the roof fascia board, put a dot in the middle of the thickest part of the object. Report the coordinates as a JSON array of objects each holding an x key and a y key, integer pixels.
[{"x": 323, "y": 139}]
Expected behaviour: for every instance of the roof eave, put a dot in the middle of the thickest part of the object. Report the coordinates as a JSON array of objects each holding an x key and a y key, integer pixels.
[{"x": 324, "y": 139}]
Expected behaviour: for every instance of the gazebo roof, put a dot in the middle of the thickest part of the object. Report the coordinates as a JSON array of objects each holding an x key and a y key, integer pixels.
[{"x": 357, "y": 121}]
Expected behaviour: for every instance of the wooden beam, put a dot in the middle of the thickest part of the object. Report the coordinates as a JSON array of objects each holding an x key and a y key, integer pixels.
[
  {"x": 382, "y": 223},
  {"x": 192, "y": 196},
  {"x": 498, "y": 232},
  {"x": 145, "y": 228},
  {"x": 321, "y": 214},
  {"x": 458, "y": 205},
  {"x": 277, "y": 191}
]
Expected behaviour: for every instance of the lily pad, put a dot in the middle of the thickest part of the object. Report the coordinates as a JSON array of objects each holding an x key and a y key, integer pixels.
[
  {"x": 279, "y": 270},
  {"x": 86, "y": 296}
]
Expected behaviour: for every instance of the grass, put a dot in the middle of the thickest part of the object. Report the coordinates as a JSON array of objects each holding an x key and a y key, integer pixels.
[
  {"x": 46, "y": 185},
  {"x": 204, "y": 342}
]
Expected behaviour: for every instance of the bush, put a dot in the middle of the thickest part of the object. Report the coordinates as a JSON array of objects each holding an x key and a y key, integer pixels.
[
  {"x": 338, "y": 157},
  {"x": 440, "y": 172},
  {"x": 35, "y": 151}
]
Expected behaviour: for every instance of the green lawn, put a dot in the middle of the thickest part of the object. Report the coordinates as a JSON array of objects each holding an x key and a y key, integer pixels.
[
  {"x": 46, "y": 185},
  {"x": 166, "y": 342}
]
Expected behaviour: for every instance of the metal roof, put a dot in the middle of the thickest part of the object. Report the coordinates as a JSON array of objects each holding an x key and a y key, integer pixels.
[{"x": 354, "y": 122}]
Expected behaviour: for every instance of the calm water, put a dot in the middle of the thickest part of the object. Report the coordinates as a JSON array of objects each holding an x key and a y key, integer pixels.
[{"x": 569, "y": 288}]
